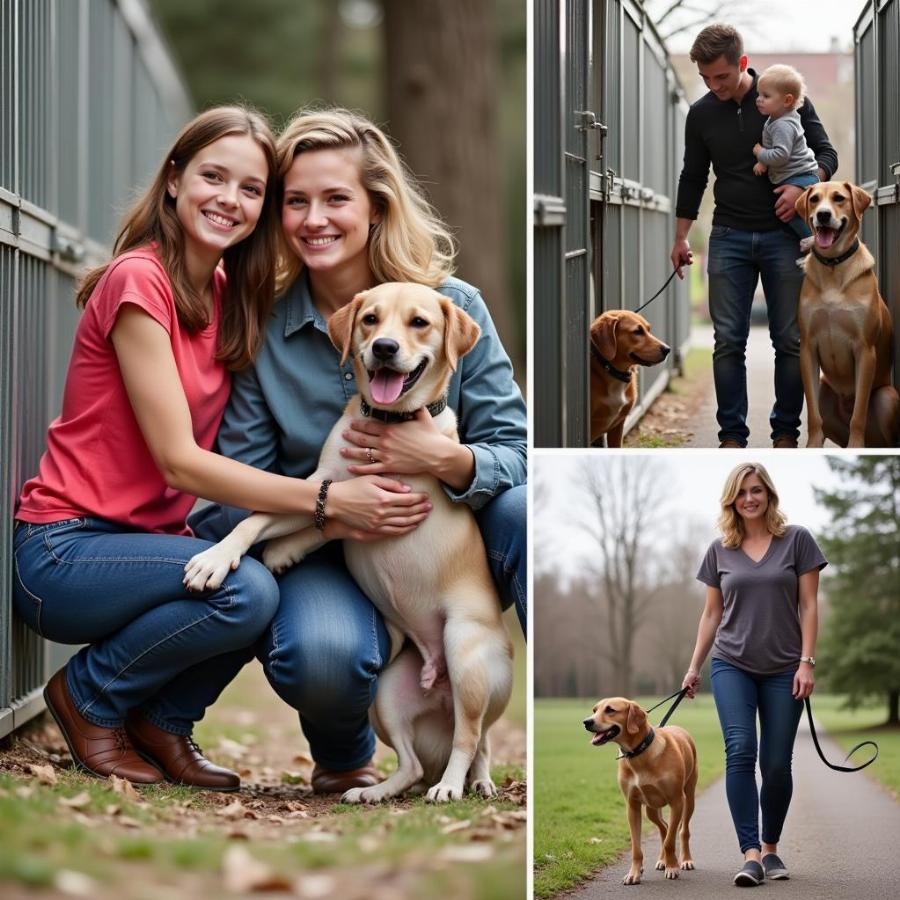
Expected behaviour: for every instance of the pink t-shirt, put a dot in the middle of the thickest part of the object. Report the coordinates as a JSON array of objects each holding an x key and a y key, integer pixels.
[{"x": 97, "y": 461}]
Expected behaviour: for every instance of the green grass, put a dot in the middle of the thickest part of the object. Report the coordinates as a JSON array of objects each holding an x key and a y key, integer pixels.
[
  {"x": 579, "y": 814},
  {"x": 849, "y": 727}
]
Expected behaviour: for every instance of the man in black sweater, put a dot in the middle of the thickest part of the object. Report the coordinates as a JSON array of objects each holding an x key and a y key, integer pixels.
[{"x": 750, "y": 237}]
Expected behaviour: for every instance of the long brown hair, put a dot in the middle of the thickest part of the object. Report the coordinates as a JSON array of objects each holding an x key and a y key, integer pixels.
[
  {"x": 249, "y": 265},
  {"x": 409, "y": 242}
]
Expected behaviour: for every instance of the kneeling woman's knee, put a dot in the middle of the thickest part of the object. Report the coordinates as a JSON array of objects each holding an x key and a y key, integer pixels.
[
  {"x": 253, "y": 594},
  {"x": 331, "y": 672}
]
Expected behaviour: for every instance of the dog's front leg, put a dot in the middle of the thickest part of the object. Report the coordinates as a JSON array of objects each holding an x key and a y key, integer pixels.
[
  {"x": 671, "y": 860},
  {"x": 637, "y": 854},
  {"x": 205, "y": 571},
  {"x": 809, "y": 372},
  {"x": 865, "y": 375}
]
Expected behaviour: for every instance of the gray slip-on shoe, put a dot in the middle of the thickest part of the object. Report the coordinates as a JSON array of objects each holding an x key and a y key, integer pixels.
[
  {"x": 775, "y": 868},
  {"x": 751, "y": 875}
]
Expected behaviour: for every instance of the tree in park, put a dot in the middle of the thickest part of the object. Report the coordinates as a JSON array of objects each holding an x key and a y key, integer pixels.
[{"x": 861, "y": 634}]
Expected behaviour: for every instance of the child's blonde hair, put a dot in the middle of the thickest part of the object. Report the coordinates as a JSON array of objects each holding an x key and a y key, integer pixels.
[{"x": 785, "y": 80}]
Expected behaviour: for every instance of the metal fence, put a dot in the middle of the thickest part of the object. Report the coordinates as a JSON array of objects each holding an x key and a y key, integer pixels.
[
  {"x": 877, "y": 59},
  {"x": 88, "y": 100},
  {"x": 608, "y": 137}
]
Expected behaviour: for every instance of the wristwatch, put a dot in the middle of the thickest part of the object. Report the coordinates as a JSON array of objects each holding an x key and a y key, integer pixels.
[{"x": 809, "y": 659}]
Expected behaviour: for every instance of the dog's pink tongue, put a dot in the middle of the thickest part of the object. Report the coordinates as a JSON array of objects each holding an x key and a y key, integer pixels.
[
  {"x": 824, "y": 237},
  {"x": 386, "y": 386}
]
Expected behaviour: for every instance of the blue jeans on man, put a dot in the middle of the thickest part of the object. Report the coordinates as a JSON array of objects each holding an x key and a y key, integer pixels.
[{"x": 737, "y": 260}]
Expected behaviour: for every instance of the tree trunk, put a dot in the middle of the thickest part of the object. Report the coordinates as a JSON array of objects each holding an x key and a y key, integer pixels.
[
  {"x": 442, "y": 103},
  {"x": 329, "y": 61},
  {"x": 893, "y": 708}
]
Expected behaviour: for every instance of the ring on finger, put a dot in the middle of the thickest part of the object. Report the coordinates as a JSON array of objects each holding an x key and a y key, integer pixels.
[{"x": 370, "y": 455}]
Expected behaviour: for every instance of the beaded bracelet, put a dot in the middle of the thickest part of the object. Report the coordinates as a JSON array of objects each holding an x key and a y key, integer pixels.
[{"x": 319, "y": 514}]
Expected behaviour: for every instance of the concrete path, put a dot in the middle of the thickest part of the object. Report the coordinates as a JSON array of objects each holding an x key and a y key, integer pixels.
[{"x": 840, "y": 842}]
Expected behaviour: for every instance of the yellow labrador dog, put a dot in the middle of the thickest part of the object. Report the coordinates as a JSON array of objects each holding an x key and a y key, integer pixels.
[
  {"x": 451, "y": 680},
  {"x": 657, "y": 768},
  {"x": 845, "y": 326},
  {"x": 620, "y": 340}
]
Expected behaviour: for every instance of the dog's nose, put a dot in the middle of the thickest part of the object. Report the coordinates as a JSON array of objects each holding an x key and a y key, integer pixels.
[
  {"x": 665, "y": 350},
  {"x": 823, "y": 216},
  {"x": 589, "y": 724},
  {"x": 384, "y": 348}
]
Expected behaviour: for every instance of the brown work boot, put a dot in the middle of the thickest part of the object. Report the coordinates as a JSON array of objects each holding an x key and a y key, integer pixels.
[
  {"x": 180, "y": 759},
  {"x": 332, "y": 781},
  {"x": 785, "y": 442},
  {"x": 730, "y": 444},
  {"x": 100, "y": 751}
]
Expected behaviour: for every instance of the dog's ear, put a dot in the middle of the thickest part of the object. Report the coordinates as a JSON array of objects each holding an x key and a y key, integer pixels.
[
  {"x": 801, "y": 207},
  {"x": 636, "y": 720},
  {"x": 603, "y": 336},
  {"x": 859, "y": 198},
  {"x": 340, "y": 325},
  {"x": 461, "y": 332}
]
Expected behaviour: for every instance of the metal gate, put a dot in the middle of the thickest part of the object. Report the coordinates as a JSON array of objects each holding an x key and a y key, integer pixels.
[
  {"x": 609, "y": 130},
  {"x": 88, "y": 101},
  {"x": 877, "y": 62}
]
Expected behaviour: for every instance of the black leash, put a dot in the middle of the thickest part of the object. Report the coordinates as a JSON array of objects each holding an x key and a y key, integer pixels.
[
  {"x": 815, "y": 738},
  {"x": 680, "y": 695},
  {"x": 674, "y": 272}
]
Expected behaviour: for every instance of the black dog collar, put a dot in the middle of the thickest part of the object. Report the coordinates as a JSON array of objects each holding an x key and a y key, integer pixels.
[
  {"x": 390, "y": 417},
  {"x": 836, "y": 260},
  {"x": 616, "y": 373},
  {"x": 641, "y": 747}
]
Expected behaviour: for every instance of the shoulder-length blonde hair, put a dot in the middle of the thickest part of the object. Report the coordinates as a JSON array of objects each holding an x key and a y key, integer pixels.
[
  {"x": 730, "y": 523},
  {"x": 409, "y": 242},
  {"x": 249, "y": 265}
]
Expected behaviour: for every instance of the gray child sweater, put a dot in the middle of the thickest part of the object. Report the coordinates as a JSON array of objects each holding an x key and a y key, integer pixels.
[{"x": 785, "y": 150}]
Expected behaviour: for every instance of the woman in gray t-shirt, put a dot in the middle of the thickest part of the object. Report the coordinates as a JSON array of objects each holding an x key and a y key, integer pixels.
[{"x": 760, "y": 620}]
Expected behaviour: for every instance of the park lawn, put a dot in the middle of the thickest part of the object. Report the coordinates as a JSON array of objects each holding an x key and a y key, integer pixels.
[
  {"x": 579, "y": 812},
  {"x": 849, "y": 727}
]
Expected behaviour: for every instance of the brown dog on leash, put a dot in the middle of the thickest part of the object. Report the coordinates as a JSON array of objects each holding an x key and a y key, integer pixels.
[
  {"x": 620, "y": 340},
  {"x": 845, "y": 326},
  {"x": 657, "y": 768}
]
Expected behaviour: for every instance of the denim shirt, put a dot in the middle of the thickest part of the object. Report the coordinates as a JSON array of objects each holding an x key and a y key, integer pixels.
[{"x": 282, "y": 408}]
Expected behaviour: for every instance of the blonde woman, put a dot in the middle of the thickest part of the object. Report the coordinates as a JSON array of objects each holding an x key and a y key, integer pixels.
[
  {"x": 760, "y": 619},
  {"x": 353, "y": 217}
]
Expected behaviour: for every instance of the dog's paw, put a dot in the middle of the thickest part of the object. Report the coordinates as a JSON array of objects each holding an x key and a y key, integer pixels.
[
  {"x": 443, "y": 793},
  {"x": 359, "y": 795},
  {"x": 633, "y": 876},
  {"x": 660, "y": 865},
  {"x": 484, "y": 788},
  {"x": 207, "y": 570},
  {"x": 278, "y": 557},
  {"x": 687, "y": 865},
  {"x": 671, "y": 872}
]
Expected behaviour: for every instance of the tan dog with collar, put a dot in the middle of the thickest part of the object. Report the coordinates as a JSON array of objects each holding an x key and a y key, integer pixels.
[
  {"x": 845, "y": 327},
  {"x": 620, "y": 340},
  {"x": 451, "y": 680},
  {"x": 658, "y": 768}
]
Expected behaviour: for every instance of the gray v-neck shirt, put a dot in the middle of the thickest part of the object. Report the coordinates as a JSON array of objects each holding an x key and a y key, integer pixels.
[{"x": 760, "y": 627}]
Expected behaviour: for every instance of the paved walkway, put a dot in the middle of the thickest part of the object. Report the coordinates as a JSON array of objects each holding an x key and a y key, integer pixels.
[{"x": 840, "y": 841}]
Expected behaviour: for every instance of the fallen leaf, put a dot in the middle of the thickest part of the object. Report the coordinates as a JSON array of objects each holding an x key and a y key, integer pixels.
[
  {"x": 125, "y": 788},
  {"x": 44, "y": 774},
  {"x": 77, "y": 802},
  {"x": 315, "y": 886},
  {"x": 243, "y": 873},
  {"x": 112, "y": 809},
  {"x": 234, "y": 810},
  {"x": 467, "y": 853},
  {"x": 76, "y": 884},
  {"x": 595, "y": 840},
  {"x": 303, "y": 760},
  {"x": 231, "y": 748},
  {"x": 128, "y": 822},
  {"x": 24, "y": 791},
  {"x": 318, "y": 837},
  {"x": 458, "y": 825}
]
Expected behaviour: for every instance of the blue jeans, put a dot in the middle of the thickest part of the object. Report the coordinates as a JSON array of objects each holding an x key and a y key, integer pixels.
[
  {"x": 797, "y": 225},
  {"x": 327, "y": 643},
  {"x": 150, "y": 643},
  {"x": 737, "y": 259},
  {"x": 739, "y": 695}
]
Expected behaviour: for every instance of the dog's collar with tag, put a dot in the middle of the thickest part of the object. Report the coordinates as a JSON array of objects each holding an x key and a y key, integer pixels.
[
  {"x": 641, "y": 747},
  {"x": 609, "y": 367},
  {"x": 836, "y": 260},
  {"x": 390, "y": 417}
]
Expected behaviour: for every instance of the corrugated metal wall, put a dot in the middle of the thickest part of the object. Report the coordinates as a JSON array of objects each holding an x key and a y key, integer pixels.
[
  {"x": 607, "y": 106},
  {"x": 89, "y": 100},
  {"x": 877, "y": 59}
]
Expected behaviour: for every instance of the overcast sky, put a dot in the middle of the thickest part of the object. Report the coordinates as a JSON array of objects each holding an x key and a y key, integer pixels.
[
  {"x": 693, "y": 482},
  {"x": 804, "y": 25}
]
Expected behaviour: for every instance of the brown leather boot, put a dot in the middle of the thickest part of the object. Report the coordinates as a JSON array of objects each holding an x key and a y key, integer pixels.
[
  {"x": 100, "y": 751},
  {"x": 333, "y": 781},
  {"x": 178, "y": 756},
  {"x": 785, "y": 442}
]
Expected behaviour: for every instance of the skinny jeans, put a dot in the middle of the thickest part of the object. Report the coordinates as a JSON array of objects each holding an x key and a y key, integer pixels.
[
  {"x": 740, "y": 696},
  {"x": 150, "y": 643}
]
